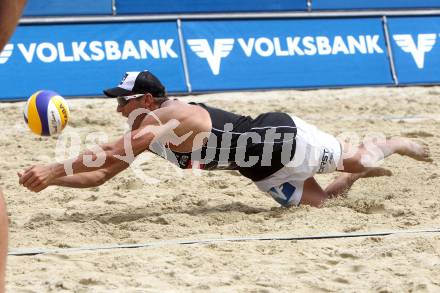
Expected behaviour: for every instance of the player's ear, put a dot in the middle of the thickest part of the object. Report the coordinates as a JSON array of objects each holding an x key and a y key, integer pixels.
[{"x": 149, "y": 100}]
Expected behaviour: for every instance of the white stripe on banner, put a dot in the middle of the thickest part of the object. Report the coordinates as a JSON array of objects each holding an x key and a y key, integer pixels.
[{"x": 37, "y": 251}]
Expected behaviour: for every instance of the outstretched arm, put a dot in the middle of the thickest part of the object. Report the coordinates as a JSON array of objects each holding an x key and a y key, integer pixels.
[
  {"x": 90, "y": 179},
  {"x": 81, "y": 180},
  {"x": 115, "y": 158}
]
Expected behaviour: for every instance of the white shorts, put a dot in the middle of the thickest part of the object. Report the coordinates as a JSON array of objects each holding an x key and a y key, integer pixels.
[{"x": 316, "y": 152}]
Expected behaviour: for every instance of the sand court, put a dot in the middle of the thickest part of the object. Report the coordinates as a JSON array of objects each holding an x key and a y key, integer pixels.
[{"x": 201, "y": 205}]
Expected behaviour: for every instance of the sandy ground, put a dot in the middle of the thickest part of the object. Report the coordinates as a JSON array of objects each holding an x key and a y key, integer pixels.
[{"x": 188, "y": 205}]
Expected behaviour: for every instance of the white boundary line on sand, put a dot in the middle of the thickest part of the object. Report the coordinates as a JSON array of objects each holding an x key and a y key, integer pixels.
[{"x": 38, "y": 251}]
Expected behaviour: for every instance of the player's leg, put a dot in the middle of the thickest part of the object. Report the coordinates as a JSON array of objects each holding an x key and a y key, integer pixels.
[
  {"x": 361, "y": 165},
  {"x": 10, "y": 12},
  {"x": 3, "y": 241},
  {"x": 309, "y": 192},
  {"x": 343, "y": 182},
  {"x": 315, "y": 196},
  {"x": 366, "y": 156}
]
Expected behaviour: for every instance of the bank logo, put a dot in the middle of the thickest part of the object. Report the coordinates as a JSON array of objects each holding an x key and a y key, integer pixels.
[
  {"x": 6, "y": 53},
  {"x": 285, "y": 47},
  {"x": 222, "y": 48},
  {"x": 425, "y": 42},
  {"x": 48, "y": 52}
]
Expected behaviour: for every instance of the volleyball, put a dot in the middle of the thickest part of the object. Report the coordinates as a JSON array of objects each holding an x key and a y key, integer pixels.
[{"x": 46, "y": 113}]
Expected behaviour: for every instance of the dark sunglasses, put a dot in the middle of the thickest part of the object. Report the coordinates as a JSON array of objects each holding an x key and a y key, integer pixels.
[{"x": 123, "y": 100}]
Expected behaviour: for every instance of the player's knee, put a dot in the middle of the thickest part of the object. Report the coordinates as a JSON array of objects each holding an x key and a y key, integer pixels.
[{"x": 313, "y": 200}]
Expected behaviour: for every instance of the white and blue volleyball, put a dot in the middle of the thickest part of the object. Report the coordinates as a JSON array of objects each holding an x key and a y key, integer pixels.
[{"x": 46, "y": 113}]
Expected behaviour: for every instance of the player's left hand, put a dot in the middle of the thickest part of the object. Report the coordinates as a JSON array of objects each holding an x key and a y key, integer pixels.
[{"x": 36, "y": 178}]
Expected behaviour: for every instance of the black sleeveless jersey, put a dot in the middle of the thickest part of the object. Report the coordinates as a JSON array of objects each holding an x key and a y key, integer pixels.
[{"x": 256, "y": 147}]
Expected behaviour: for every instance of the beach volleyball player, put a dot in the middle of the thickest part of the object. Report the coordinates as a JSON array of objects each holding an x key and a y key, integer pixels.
[
  {"x": 10, "y": 12},
  {"x": 279, "y": 152}
]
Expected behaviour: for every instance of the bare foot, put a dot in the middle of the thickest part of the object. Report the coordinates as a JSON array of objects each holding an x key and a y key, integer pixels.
[
  {"x": 376, "y": 172},
  {"x": 417, "y": 151}
]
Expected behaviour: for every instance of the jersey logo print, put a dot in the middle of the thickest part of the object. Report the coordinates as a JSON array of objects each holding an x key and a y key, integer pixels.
[
  {"x": 425, "y": 42},
  {"x": 222, "y": 48}
]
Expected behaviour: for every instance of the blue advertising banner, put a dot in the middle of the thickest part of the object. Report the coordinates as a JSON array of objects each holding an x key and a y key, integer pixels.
[
  {"x": 373, "y": 4},
  {"x": 83, "y": 59},
  {"x": 199, "y": 6},
  {"x": 415, "y": 43},
  {"x": 227, "y": 55},
  {"x": 67, "y": 7}
]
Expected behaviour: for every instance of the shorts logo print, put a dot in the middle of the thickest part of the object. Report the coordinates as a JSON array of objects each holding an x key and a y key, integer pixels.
[
  {"x": 283, "y": 193},
  {"x": 326, "y": 160}
]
